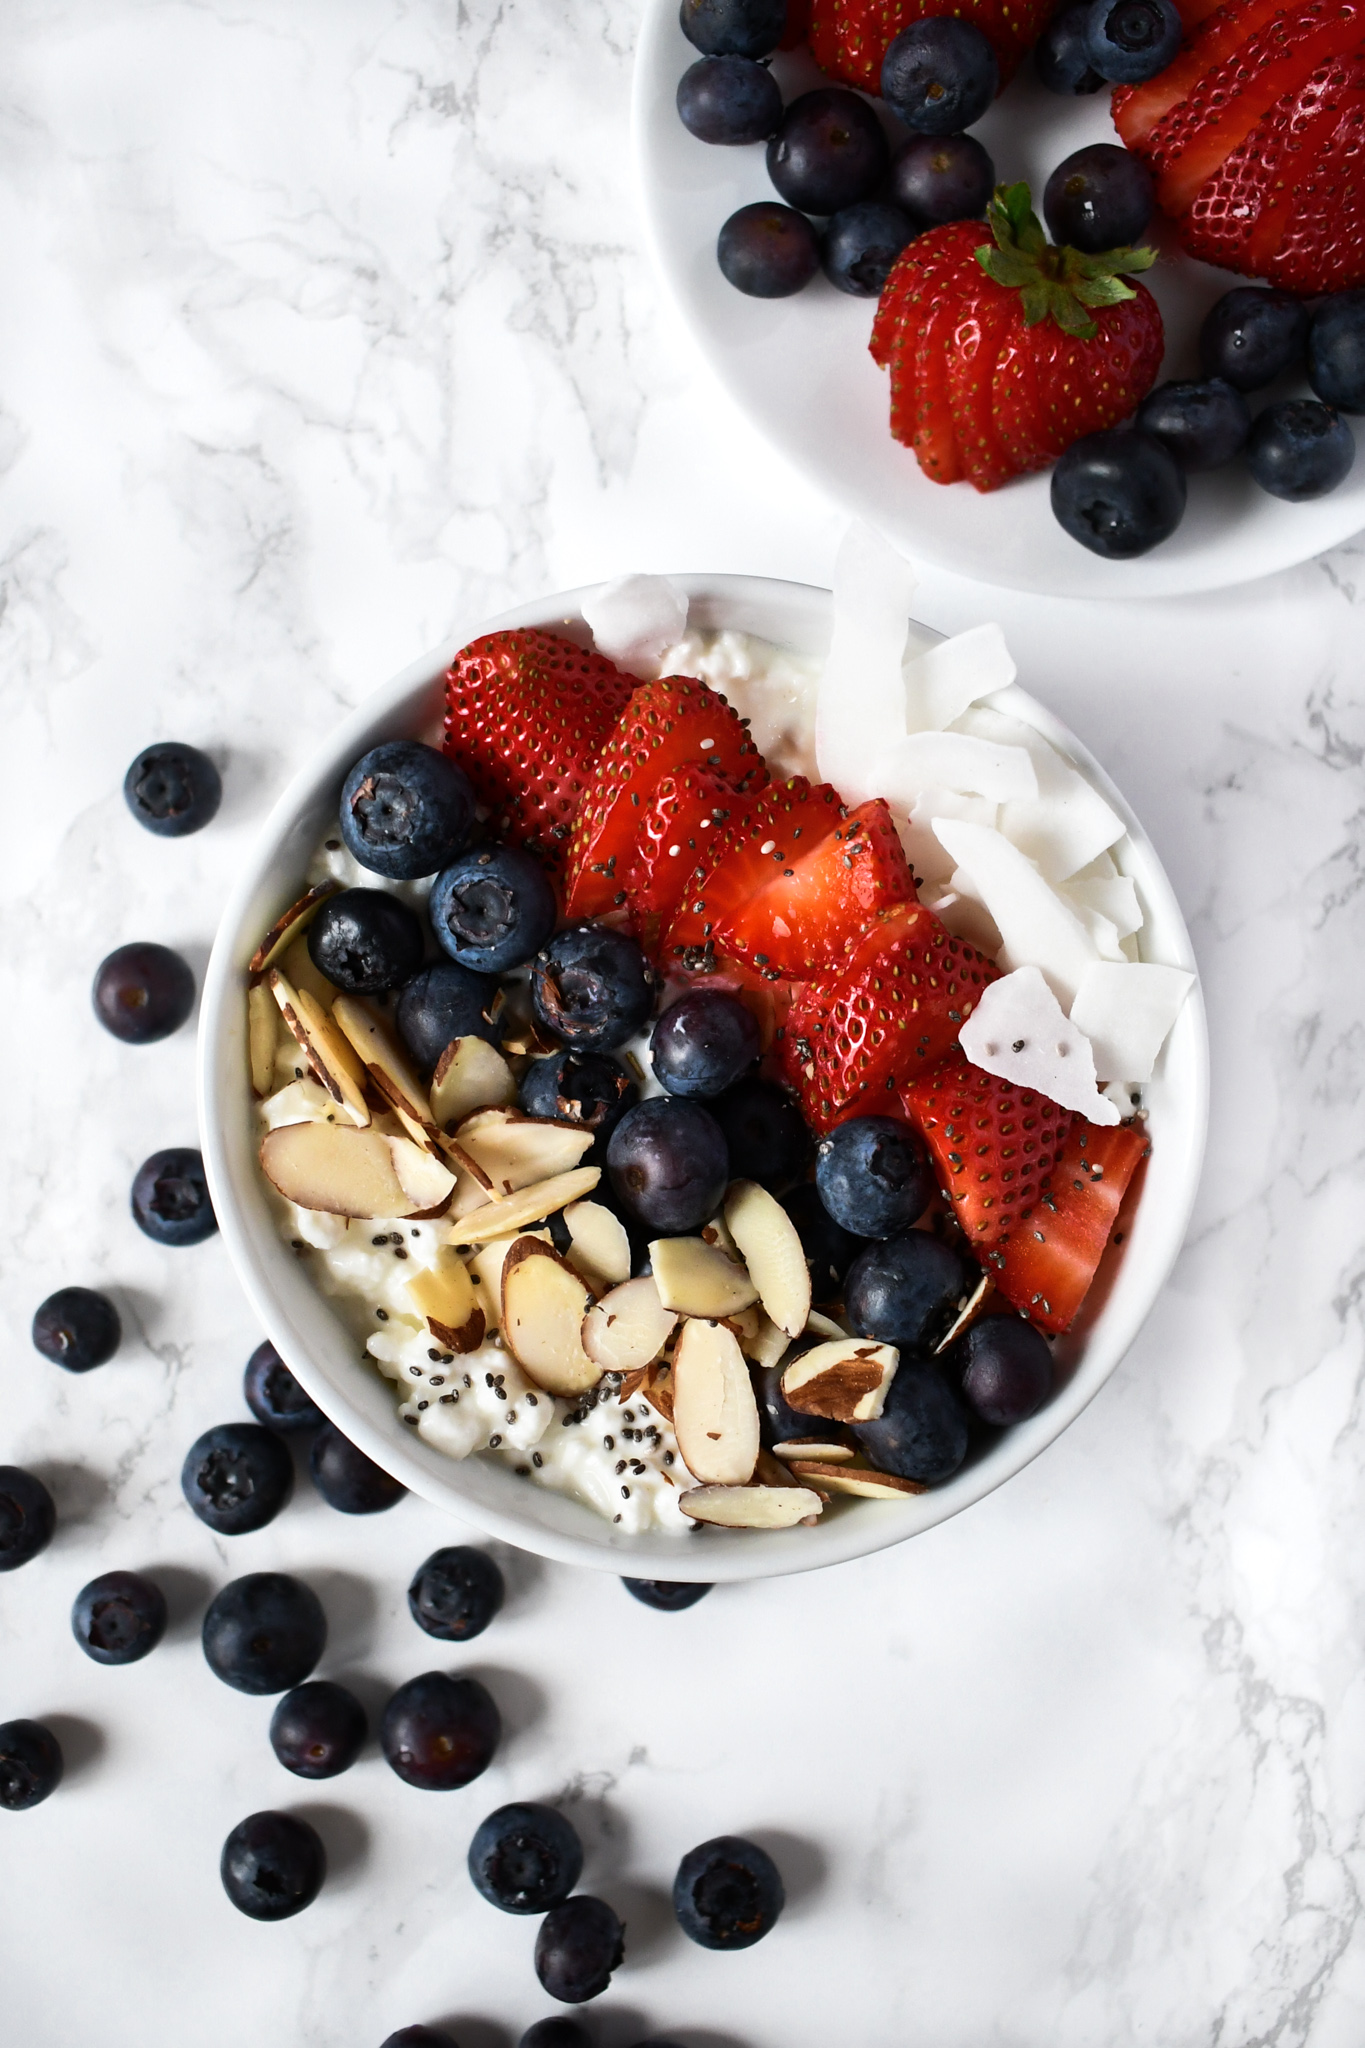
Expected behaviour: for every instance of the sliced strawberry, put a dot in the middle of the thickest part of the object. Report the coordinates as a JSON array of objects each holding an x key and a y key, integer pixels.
[
  {"x": 528, "y": 713},
  {"x": 1321, "y": 246},
  {"x": 1046, "y": 1266},
  {"x": 809, "y": 917},
  {"x": 785, "y": 820},
  {"x": 986, "y": 320},
  {"x": 934, "y": 262},
  {"x": 936, "y": 448},
  {"x": 1021, "y": 428},
  {"x": 1084, "y": 386},
  {"x": 663, "y": 726},
  {"x": 994, "y": 1144},
  {"x": 680, "y": 822},
  {"x": 1137, "y": 109}
]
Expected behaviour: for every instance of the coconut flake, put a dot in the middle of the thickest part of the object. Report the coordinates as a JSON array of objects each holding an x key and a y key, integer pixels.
[
  {"x": 1126, "y": 1012},
  {"x": 1113, "y": 897},
  {"x": 1068, "y": 823},
  {"x": 930, "y": 861},
  {"x": 956, "y": 761},
  {"x": 1019, "y": 1031},
  {"x": 635, "y": 619},
  {"x": 1036, "y": 927},
  {"x": 944, "y": 680},
  {"x": 860, "y": 707}
]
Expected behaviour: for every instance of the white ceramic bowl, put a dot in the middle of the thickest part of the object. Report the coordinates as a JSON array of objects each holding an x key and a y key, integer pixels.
[{"x": 320, "y": 1351}]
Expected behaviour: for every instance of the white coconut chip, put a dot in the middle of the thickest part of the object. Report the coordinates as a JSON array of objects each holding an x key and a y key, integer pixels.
[
  {"x": 635, "y": 619},
  {"x": 1019, "y": 1031},
  {"x": 943, "y": 681},
  {"x": 930, "y": 861},
  {"x": 956, "y": 761},
  {"x": 1113, "y": 897},
  {"x": 1126, "y": 1012},
  {"x": 1036, "y": 927},
  {"x": 860, "y": 706},
  {"x": 1068, "y": 823}
]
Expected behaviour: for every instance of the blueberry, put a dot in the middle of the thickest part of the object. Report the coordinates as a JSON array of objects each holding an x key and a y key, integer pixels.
[
  {"x": 830, "y": 1249},
  {"x": 264, "y": 1633},
  {"x": 1336, "y": 351},
  {"x": 420, "y": 2037},
  {"x": 670, "y": 1596},
  {"x": 727, "y": 1893},
  {"x": 272, "y": 1866},
  {"x": 1300, "y": 450},
  {"x": 938, "y": 178},
  {"x": 173, "y": 789},
  {"x": 592, "y": 987},
  {"x": 1203, "y": 424},
  {"x": 765, "y": 1133},
  {"x": 442, "y": 1002},
  {"x": 365, "y": 941},
  {"x": 703, "y": 1042},
  {"x": 906, "y": 1291},
  {"x": 768, "y": 251},
  {"x": 456, "y": 1593},
  {"x": 922, "y": 1432},
  {"x": 733, "y": 28},
  {"x": 525, "y": 1858},
  {"x": 1118, "y": 493},
  {"x": 829, "y": 152},
  {"x": 1060, "y": 55},
  {"x": 142, "y": 992},
  {"x": 588, "y": 1088},
  {"x": 778, "y": 1421},
  {"x": 27, "y": 1517},
  {"x": 729, "y": 100},
  {"x": 1099, "y": 198},
  {"x": 1129, "y": 41},
  {"x": 77, "y": 1328},
  {"x": 1251, "y": 336},
  {"x": 668, "y": 1165},
  {"x": 873, "y": 1175},
  {"x": 170, "y": 1198},
  {"x": 1004, "y": 1367},
  {"x": 347, "y": 1479},
  {"x": 274, "y": 1396},
  {"x": 30, "y": 1764},
  {"x": 119, "y": 1617},
  {"x": 493, "y": 908},
  {"x": 861, "y": 244},
  {"x": 579, "y": 1945},
  {"x": 318, "y": 1729},
  {"x": 237, "y": 1477},
  {"x": 939, "y": 75},
  {"x": 439, "y": 1733},
  {"x": 557, "y": 2033},
  {"x": 406, "y": 810}
]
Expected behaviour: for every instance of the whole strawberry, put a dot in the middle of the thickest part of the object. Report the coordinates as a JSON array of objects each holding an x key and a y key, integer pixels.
[{"x": 1003, "y": 353}]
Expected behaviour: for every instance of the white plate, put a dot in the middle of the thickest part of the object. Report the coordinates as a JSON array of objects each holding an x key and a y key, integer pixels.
[{"x": 800, "y": 369}]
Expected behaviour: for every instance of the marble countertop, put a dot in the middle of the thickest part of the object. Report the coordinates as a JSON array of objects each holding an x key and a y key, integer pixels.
[{"x": 325, "y": 328}]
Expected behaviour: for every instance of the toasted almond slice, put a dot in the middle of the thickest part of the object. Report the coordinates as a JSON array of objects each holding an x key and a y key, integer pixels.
[
  {"x": 506, "y": 1217},
  {"x": 817, "y": 1448},
  {"x": 628, "y": 1328},
  {"x": 697, "y": 1279},
  {"x": 855, "y": 1479},
  {"x": 771, "y": 1249},
  {"x": 444, "y": 1296},
  {"x": 287, "y": 928},
  {"x": 657, "y": 1388},
  {"x": 516, "y": 1150},
  {"x": 751, "y": 1507},
  {"x": 296, "y": 964},
  {"x": 717, "y": 1232},
  {"x": 769, "y": 1471},
  {"x": 543, "y": 1305},
  {"x": 824, "y": 1326},
  {"x": 388, "y": 1071},
  {"x": 844, "y": 1382},
  {"x": 715, "y": 1414},
  {"x": 335, "y": 1167},
  {"x": 968, "y": 1311},
  {"x": 261, "y": 1015},
  {"x": 485, "y": 1272},
  {"x": 470, "y": 1074},
  {"x": 427, "y": 1183},
  {"x": 768, "y": 1345},
  {"x": 326, "y": 1050},
  {"x": 599, "y": 1247}
]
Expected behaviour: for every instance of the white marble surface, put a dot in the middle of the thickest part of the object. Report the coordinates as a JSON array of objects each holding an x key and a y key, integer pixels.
[{"x": 323, "y": 328}]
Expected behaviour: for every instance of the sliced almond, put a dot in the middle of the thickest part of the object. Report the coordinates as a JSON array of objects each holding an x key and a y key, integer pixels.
[
  {"x": 388, "y": 1071},
  {"x": 818, "y": 1449},
  {"x": 296, "y": 964},
  {"x": 769, "y": 1471},
  {"x": 324, "y": 1048},
  {"x": 715, "y": 1414},
  {"x": 859, "y": 1480},
  {"x": 543, "y": 1305},
  {"x": 968, "y": 1312},
  {"x": 287, "y": 928},
  {"x": 628, "y": 1328},
  {"x": 824, "y": 1326},
  {"x": 506, "y": 1217},
  {"x": 515, "y": 1150},
  {"x": 717, "y": 1232},
  {"x": 335, "y": 1167},
  {"x": 697, "y": 1279},
  {"x": 768, "y": 1345},
  {"x": 262, "y": 1014},
  {"x": 485, "y": 1273},
  {"x": 751, "y": 1507},
  {"x": 424, "y": 1180},
  {"x": 656, "y": 1386},
  {"x": 599, "y": 1247},
  {"x": 444, "y": 1296},
  {"x": 771, "y": 1249},
  {"x": 470, "y": 1074},
  {"x": 844, "y": 1382}
]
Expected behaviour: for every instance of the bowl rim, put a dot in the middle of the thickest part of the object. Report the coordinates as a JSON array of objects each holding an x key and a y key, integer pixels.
[{"x": 262, "y": 1260}]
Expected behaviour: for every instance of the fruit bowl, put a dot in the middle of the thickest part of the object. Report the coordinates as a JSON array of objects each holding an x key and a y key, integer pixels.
[{"x": 313, "y": 1341}]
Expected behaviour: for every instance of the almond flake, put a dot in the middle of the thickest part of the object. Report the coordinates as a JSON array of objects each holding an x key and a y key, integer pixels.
[
  {"x": 325, "y": 1049},
  {"x": 751, "y": 1507},
  {"x": 446, "y": 1298},
  {"x": 816, "y": 1448},
  {"x": 771, "y": 1249},
  {"x": 388, "y": 1071},
  {"x": 627, "y": 1329},
  {"x": 261, "y": 1013},
  {"x": 715, "y": 1415},
  {"x": 599, "y": 1248},
  {"x": 510, "y": 1214},
  {"x": 514, "y": 1150},
  {"x": 843, "y": 1382},
  {"x": 698, "y": 1279},
  {"x": 470, "y": 1074},
  {"x": 335, "y": 1167},
  {"x": 287, "y": 928},
  {"x": 543, "y": 1305},
  {"x": 866, "y": 1484}
]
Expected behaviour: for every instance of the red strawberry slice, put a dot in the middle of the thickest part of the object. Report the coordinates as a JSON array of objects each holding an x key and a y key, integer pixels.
[
  {"x": 786, "y": 819},
  {"x": 527, "y": 715},
  {"x": 936, "y": 448},
  {"x": 1021, "y": 428},
  {"x": 680, "y": 823},
  {"x": 1084, "y": 385},
  {"x": 1137, "y": 109},
  {"x": 1321, "y": 246},
  {"x": 810, "y": 916},
  {"x": 664, "y": 725},
  {"x": 994, "y": 1145},
  {"x": 987, "y": 318},
  {"x": 1046, "y": 1266}
]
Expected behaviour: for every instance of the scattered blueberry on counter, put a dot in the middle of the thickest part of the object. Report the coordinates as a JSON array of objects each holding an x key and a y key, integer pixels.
[
  {"x": 77, "y": 1328},
  {"x": 440, "y": 1733},
  {"x": 456, "y": 1593},
  {"x": 172, "y": 789},
  {"x": 525, "y": 1858},
  {"x": 728, "y": 1893},
  {"x": 264, "y": 1633},
  {"x": 578, "y": 1946},
  {"x": 237, "y": 1477},
  {"x": 27, "y": 1517},
  {"x": 669, "y": 1596},
  {"x": 419, "y": 2037},
  {"x": 272, "y": 1865},
  {"x": 347, "y": 1479},
  {"x": 170, "y": 1198},
  {"x": 318, "y": 1729},
  {"x": 274, "y": 1396},
  {"x": 31, "y": 1764},
  {"x": 556, "y": 2033},
  {"x": 142, "y": 992},
  {"x": 119, "y": 1617}
]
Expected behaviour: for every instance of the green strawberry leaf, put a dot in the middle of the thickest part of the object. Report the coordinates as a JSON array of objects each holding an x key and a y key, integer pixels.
[{"x": 1054, "y": 282}]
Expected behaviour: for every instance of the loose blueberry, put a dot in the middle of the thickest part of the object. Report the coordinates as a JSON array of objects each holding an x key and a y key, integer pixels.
[
  {"x": 170, "y": 1198},
  {"x": 906, "y": 1291},
  {"x": 492, "y": 909},
  {"x": 579, "y": 1945},
  {"x": 420, "y": 2037},
  {"x": 556, "y": 2034},
  {"x": 1099, "y": 198},
  {"x": 703, "y": 1042},
  {"x": 830, "y": 151},
  {"x": 1129, "y": 41},
  {"x": 830, "y": 1249},
  {"x": 347, "y": 1479},
  {"x": 28, "y": 1517},
  {"x": 588, "y": 1088},
  {"x": 939, "y": 75},
  {"x": 1300, "y": 450},
  {"x": 727, "y": 1893},
  {"x": 274, "y": 1396},
  {"x": 592, "y": 987},
  {"x": 862, "y": 243},
  {"x": 765, "y": 1133},
  {"x": 318, "y": 1729},
  {"x": 406, "y": 810},
  {"x": 77, "y": 1328},
  {"x": 1336, "y": 351},
  {"x": 1118, "y": 493},
  {"x": 1004, "y": 1367},
  {"x": 366, "y": 940},
  {"x": 119, "y": 1617},
  {"x": 456, "y": 1593},
  {"x": 173, "y": 789},
  {"x": 768, "y": 251},
  {"x": 938, "y": 178},
  {"x": 668, "y": 1165},
  {"x": 1203, "y": 424},
  {"x": 729, "y": 100},
  {"x": 733, "y": 28},
  {"x": 237, "y": 1477},
  {"x": 778, "y": 1422},
  {"x": 264, "y": 1633},
  {"x": 1060, "y": 55},
  {"x": 30, "y": 1764},
  {"x": 525, "y": 1858},
  {"x": 1251, "y": 336},
  {"x": 873, "y": 1175},
  {"x": 442, "y": 1002},
  {"x": 439, "y": 1733},
  {"x": 142, "y": 992},
  {"x": 272, "y": 1866},
  {"x": 922, "y": 1432},
  {"x": 670, "y": 1596}
]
